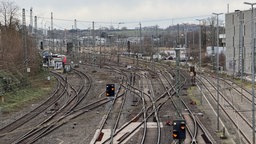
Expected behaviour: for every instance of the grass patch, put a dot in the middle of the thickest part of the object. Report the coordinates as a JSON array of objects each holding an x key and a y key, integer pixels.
[
  {"x": 192, "y": 93},
  {"x": 245, "y": 83},
  {"x": 38, "y": 89},
  {"x": 238, "y": 81}
]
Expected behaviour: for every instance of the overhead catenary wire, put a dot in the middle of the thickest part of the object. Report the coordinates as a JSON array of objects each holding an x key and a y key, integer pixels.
[{"x": 128, "y": 22}]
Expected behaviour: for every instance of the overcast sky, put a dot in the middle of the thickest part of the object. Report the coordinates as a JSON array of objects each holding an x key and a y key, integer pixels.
[{"x": 128, "y": 12}]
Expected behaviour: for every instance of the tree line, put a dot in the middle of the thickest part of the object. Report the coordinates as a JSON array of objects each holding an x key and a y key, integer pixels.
[{"x": 14, "y": 43}]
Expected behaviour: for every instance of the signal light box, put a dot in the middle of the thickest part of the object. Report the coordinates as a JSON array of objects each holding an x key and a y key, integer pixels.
[
  {"x": 110, "y": 90},
  {"x": 179, "y": 129}
]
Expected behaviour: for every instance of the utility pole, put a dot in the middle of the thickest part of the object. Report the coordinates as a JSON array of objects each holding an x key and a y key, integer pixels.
[
  {"x": 213, "y": 44},
  {"x": 117, "y": 55},
  {"x": 117, "y": 50},
  {"x": 157, "y": 36},
  {"x": 24, "y": 37},
  {"x": 217, "y": 73},
  {"x": 141, "y": 40},
  {"x": 177, "y": 75},
  {"x": 51, "y": 21},
  {"x": 178, "y": 39},
  {"x": 200, "y": 51},
  {"x": 252, "y": 70},
  {"x": 186, "y": 37},
  {"x": 52, "y": 31},
  {"x": 200, "y": 44},
  {"x": 35, "y": 29},
  {"x": 241, "y": 44},
  {"x": 93, "y": 44},
  {"x": 93, "y": 35},
  {"x": 76, "y": 40},
  {"x": 177, "y": 79},
  {"x": 193, "y": 44},
  {"x": 241, "y": 51},
  {"x": 100, "y": 48}
]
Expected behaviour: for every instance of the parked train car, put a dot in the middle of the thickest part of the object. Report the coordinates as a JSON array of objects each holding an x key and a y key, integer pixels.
[{"x": 55, "y": 61}]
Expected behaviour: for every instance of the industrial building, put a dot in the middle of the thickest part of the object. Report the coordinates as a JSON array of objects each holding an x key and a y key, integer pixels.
[{"x": 238, "y": 42}]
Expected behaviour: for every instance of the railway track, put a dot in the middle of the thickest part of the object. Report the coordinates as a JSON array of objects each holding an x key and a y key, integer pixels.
[
  {"x": 198, "y": 133},
  {"x": 134, "y": 114},
  {"x": 108, "y": 119},
  {"x": 51, "y": 122},
  {"x": 146, "y": 112},
  {"x": 198, "y": 124},
  {"x": 195, "y": 128},
  {"x": 55, "y": 96},
  {"x": 234, "y": 114}
]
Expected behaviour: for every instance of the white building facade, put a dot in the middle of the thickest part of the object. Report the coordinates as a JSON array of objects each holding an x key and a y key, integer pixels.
[{"x": 238, "y": 42}]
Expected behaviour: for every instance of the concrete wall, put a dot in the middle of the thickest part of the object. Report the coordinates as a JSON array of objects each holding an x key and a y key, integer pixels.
[{"x": 232, "y": 24}]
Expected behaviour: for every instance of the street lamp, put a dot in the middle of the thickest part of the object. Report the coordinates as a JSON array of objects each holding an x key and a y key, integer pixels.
[
  {"x": 217, "y": 72},
  {"x": 253, "y": 71}
]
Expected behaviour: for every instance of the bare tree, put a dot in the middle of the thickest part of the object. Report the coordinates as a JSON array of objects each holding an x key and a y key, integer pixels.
[
  {"x": 12, "y": 53},
  {"x": 8, "y": 13},
  {"x": 9, "y": 36}
]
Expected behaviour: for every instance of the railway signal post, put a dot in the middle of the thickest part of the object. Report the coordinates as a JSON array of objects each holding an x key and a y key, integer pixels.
[
  {"x": 110, "y": 90},
  {"x": 179, "y": 130}
]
